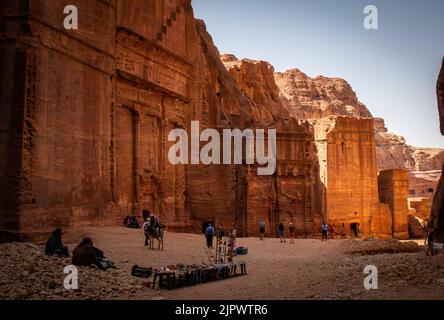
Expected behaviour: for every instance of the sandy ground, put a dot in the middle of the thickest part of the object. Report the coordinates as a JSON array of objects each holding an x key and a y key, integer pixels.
[{"x": 308, "y": 269}]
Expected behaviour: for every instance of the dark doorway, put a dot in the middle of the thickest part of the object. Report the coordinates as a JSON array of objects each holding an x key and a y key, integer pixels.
[{"x": 354, "y": 230}]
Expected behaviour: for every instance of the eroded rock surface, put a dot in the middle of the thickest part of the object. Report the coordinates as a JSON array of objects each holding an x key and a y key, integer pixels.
[{"x": 437, "y": 215}]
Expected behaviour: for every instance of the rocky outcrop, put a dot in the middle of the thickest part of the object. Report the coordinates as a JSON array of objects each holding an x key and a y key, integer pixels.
[
  {"x": 347, "y": 160},
  {"x": 392, "y": 152},
  {"x": 437, "y": 215},
  {"x": 417, "y": 227},
  {"x": 86, "y": 117},
  {"x": 307, "y": 98}
]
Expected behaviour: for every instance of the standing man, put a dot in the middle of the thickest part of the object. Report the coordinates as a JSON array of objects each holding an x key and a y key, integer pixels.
[
  {"x": 324, "y": 231},
  {"x": 209, "y": 234},
  {"x": 429, "y": 241},
  {"x": 220, "y": 232},
  {"x": 145, "y": 214},
  {"x": 292, "y": 230},
  {"x": 261, "y": 229}
]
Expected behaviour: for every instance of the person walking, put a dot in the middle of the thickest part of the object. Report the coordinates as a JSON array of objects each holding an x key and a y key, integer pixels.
[
  {"x": 220, "y": 232},
  {"x": 429, "y": 240},
  {"x": 261, "y": 229},
  {"x": 209, "y": 234},
  {"x": 324, "y": 231},
  {"x": 281, "y": 230},
  {"x": 292, "y": 230}
]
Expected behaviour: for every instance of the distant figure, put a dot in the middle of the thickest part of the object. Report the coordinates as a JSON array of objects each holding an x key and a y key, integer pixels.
[
  {"x": 343, "y": 230},
  {"x": 154, "y": 222},
  {"x": 145, "y": 230},
  {"x": 261, "y": 229},
  {"x": 281, "y": 230},
  {"x": 85, "y": 254},
  {"x": 131, "y": 222},
  {"x": 429, "y": 240},
  {"x": 233, "y": 234},
  {"x": 209, "y": 234},
  {"x": 145, "y": 214},
  {"x": 331, "y": 230},
  {"x": 54, "y": 245},
  {"x": 220, "y": 232},
  {"x": 292, "y": 230},
  {"x": 324, "y": 231}
]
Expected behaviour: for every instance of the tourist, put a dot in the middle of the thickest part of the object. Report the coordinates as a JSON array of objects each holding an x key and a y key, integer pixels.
[
  {"x": 220, "y": 232},
  {"x": 429, "y": 240},
  {"x": 209, "y": 234},
  {"x": 281, "y": 230},
  {"x": 261, "y": 229},
  {"x": 145, "y": 214},
  {"x": 154, "y": 222},
  {"x": 233, "y": 234},
  {"x": 145, "y": 227},
  {"x": 331, "y": 230},
  {"x": 85, "y": 254},
  {"x": 55, "y": 246},
  {"x": 131, "y": 222},
  {"x": 292, "y": 230},
  {"x": 324, "y": 231}
]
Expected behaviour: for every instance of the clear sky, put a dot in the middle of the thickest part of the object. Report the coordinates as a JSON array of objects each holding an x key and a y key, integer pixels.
[{"x": 393, "y": 69}]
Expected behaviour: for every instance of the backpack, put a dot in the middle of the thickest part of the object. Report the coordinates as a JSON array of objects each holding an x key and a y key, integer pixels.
[
  {"x": 325, "y": 227},
  {"x": 210, "y": 231}
]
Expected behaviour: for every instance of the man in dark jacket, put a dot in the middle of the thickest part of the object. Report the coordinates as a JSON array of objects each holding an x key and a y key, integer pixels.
[
  {"x": 209, "y": 234},
  {"x": 54, "y": 245},
  {"x": 85, "y": 254}
]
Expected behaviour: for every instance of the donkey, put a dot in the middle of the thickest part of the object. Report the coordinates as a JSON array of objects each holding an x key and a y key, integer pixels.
[{"x": 157, "y": 234}]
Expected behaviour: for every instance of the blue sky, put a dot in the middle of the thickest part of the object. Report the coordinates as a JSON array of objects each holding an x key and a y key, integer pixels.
[{"x": 393, "y": 69}]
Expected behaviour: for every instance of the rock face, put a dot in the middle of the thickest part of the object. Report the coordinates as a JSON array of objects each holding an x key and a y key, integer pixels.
[
  {"x": 86, "y": 116},
  {"x": 346, "y": 151},
  {"x": 393, "y": 188},
  {"x": 307, "y": 98},
  {"x": 392, "y": 152},
  {"x": 437, "y": 215}
]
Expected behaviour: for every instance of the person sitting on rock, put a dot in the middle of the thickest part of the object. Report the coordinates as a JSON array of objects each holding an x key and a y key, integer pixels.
[
  {"x": 54, "y": 245},
  {"x": 131, "y": 222},
  {"x": 85, "y": 254}
]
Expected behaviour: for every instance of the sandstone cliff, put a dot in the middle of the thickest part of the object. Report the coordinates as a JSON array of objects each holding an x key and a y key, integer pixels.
[
  {"x": 437, "y": 215},
  {"x": 307, "y": 98},
  {"x": 394, "y": 153}
]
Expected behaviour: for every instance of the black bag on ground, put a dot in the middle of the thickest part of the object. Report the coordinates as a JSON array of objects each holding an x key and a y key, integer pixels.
[{"x": 141, "y": 272}]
